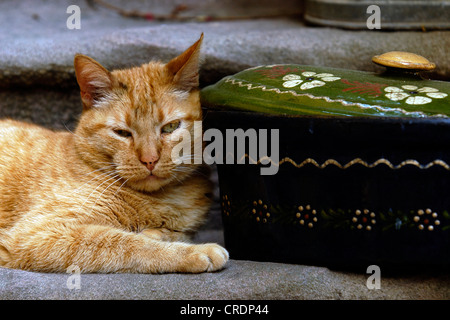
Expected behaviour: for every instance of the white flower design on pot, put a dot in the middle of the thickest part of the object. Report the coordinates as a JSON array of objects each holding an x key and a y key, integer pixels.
[
  {"x": 311, "y": 80},
  {"x": 413, "y": 94}
]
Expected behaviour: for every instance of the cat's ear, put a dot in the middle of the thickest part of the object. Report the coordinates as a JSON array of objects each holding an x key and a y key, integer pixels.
[
  {"x": 94, "y": 80},
  {"x": 185, "y": 67}
]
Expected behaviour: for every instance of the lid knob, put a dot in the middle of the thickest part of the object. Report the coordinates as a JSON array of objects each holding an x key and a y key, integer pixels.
[{"x": 404, "y": 60}]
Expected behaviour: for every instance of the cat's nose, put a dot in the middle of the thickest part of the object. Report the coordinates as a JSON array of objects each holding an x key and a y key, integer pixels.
[{"x": 149, "y": 161}]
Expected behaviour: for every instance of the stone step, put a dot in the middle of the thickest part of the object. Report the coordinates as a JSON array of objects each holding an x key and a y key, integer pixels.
[
  {"x": 38, "y": 48},
  {"x": 240, "y": 280}
]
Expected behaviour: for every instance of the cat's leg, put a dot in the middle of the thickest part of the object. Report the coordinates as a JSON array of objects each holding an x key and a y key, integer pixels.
[
  {"x": 164, "y": 234},
  {"x": 95, "y": 248}
]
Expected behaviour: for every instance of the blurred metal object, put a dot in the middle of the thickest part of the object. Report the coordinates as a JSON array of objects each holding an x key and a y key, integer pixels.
[{"x": 395, "y": 14}]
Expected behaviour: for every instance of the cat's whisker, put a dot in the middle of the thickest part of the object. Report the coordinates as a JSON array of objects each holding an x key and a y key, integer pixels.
[
  {"x": 121, "y": 186},
  {"x": 105, "y": 162},
  {"x": 185, "y": 169},
  {"x": 129, "y": 167},
  {"x": 182, "y": 171},
  {"x": 101, "y": 194},
  {"x": 196, "y": 169},
  {"x": 117, "y": 191},
  {"x": 176, "y": 178},
  {"x": 117, "y": 175},
  {"x": 80, "y": 188},
  {"x": 97, "y": 170},
  {"x": 70, "y": 131},
  {"x": 190, "y": 157},
  {"x": 107, "y": 173}
]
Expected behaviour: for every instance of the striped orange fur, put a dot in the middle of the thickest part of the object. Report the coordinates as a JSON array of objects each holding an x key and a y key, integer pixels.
[{"x": 108, "y": 197}]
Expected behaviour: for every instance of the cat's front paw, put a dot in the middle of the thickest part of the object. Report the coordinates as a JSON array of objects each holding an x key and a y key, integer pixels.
[{"x": 206, "y": 258}]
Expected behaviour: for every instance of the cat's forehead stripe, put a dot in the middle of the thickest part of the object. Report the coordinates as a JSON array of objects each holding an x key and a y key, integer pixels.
[
  {"x": 151, "y": 97},
  {"x": 114, "y": 122}
]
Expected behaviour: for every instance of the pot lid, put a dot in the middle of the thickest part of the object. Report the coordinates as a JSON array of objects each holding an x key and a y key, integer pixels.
[{"x": 293, "y": 89}]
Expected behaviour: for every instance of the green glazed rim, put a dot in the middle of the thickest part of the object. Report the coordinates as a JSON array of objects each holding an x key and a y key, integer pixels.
[{"x": 291, "y": 89}]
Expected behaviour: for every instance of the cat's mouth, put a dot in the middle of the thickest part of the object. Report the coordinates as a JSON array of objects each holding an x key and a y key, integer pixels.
[{"x": 153, "y": 177}]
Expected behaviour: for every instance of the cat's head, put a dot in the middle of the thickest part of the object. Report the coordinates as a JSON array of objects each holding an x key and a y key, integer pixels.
[{"x": 130, "y": 118}]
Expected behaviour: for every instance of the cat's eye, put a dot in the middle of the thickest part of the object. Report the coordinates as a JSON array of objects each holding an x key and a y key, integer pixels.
[
  {"x": 170, "y": 127},
  {"x": 123, "y": 133}
]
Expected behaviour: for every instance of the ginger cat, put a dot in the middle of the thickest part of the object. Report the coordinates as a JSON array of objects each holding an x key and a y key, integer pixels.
[{"x": 108, "y": 197}]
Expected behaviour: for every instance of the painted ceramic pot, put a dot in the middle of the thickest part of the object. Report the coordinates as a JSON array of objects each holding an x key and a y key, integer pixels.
[{"x": 362, "y": 170}]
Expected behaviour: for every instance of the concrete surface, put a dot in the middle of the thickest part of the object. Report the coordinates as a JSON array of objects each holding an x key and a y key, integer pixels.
[
  {"x": 37, "y": 84},
  {"x": 37, "y": 47},
  {"x": 240, "y": 280}
]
